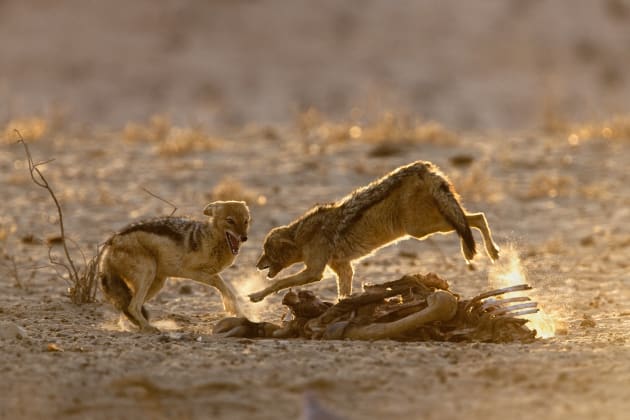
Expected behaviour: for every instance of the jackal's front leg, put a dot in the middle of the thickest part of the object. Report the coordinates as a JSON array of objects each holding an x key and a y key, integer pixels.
[
  {"x": 228, "y": 294},
  {"x": 306, "y": 276},
  {"x": 344, "y": 272}
]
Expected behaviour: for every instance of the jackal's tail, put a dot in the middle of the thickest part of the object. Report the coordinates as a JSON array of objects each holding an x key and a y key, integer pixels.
[
  {"x": 448, "y": 204},
  {"x": 119, "y": 295}
]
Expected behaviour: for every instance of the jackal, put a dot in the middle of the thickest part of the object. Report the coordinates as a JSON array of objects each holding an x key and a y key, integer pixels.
[
  {"x": 414, "y": 200},
  {"x": 135, "y": 262}
]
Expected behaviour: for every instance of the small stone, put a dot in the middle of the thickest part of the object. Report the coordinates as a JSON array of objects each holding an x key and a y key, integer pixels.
[
  {"x": 175, "y": 335},
  {"x": 30, "y": 239},
  {"x": 385, "y": 150},
  {"x": 54, "y": 240},
  {"x": 587, "y": 241},
  {"x": 588, "y": 322},
  {"x": 53, "y": 347},
  {"x": 461, "y": 160}
]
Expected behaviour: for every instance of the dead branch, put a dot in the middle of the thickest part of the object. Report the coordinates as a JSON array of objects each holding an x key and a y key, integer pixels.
[
  {"x": 79, "y": 292},
  {"x": 39, "y": 179},
  {"x": 161, "y": 199}
]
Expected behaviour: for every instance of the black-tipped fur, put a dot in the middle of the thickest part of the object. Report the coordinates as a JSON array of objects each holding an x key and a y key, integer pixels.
[
  {"x": 170, "y": 227},
  {"x": 458, "y": 221},
  {"x": 119, "y": 295}
]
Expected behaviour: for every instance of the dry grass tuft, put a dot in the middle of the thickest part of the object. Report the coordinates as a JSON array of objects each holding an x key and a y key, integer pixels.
[
  {"x": 31, "y": 128},
  {"x": 475, "y": 184},
  {"x": 170, "y": 140},
  {"x": 616, "y": 128},
  {"x": 597, "y": 190},
  {"x": 549, "y": 185},
  {"x": 7, "y": 227},
  {"x": 390, "y": 128},
  {"x": 554, "y": 245},
  {"x": 231, "y": 189},
  {"x": 154, "y": 131},
  {"x": 186, "y": 140}
]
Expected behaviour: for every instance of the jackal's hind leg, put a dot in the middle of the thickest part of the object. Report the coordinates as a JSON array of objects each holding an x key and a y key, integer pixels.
[
  {"x": 344, "y": 272},
  {"x": 156, "y": 286},
  {"x": 126, "y": 315},
  {"x": 479, "y": 222},
  {"x": 144, "y": 275}
]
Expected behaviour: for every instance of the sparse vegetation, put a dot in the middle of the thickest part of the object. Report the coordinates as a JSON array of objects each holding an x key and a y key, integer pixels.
[
  {"x": 82, "y": 284},
  {"x": 170, "y": 140},
  {"x": 31, "y": 128},
  {"x": 549, "y": 185},
  {"x": 390, "y": 128},
  {"x": 616, "y": 128},
  {"x": 231, "y": 189},
  {"x": 477, "y": 185}
]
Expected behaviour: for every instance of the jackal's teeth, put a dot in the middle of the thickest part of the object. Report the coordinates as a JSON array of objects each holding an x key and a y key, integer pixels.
[{"x": 233, "y": 242}]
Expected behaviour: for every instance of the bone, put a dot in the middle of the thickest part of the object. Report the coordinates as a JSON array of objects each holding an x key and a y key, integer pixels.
[
  {"x": 495, "y": 303},
  {"x": 516, "y": 288},
  {"x": 525, "y": 312},
  {"x": 511, "y": 309},
  {"x": 442, "y": 306}
]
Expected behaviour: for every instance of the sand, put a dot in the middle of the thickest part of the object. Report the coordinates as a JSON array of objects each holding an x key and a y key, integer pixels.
[{"x": 547, "y": 168}]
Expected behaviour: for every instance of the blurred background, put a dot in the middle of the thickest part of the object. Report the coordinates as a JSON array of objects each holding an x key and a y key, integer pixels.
[{"x": 479, "y": 64}]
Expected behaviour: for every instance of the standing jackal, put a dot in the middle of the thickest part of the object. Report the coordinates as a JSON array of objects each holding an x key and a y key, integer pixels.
[
  {"x": 136, "y": 261},
  {"x": 414, "y": 200}
]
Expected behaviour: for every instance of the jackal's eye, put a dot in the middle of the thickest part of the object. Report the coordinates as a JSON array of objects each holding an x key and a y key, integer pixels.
[{"x": 230, "y": 221}]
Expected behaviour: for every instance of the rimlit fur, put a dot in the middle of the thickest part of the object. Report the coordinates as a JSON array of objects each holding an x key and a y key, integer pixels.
[
  {"x": 136, "y": 261},
  {"x": 414, "y": 200}
]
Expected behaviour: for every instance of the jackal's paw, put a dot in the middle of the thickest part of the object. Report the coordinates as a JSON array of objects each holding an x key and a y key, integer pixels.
[
  {"x": 257, "y": 297},
  {"x": 149, "y": 329},
  {"x": 494, "y": 252}
]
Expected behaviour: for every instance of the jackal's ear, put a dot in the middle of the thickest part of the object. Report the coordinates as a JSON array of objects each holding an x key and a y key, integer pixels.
[{"x": 211, "y": 208}]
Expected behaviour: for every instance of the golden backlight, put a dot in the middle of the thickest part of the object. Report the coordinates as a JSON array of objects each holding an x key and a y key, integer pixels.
[{"x": 509, "y": 271}]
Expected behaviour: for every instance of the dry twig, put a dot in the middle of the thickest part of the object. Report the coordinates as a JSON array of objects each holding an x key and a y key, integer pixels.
[
  {"x": 161, "y": 199},
  {"x": 13, "y": 270},
  {"x": 83, "y": 288}
]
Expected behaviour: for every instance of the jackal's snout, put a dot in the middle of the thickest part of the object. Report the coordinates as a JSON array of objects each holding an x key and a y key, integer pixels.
[{"x": 263, "y": 262}]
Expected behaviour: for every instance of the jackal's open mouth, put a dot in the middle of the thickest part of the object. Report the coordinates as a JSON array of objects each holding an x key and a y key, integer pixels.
[
  {"x": 273, "y": 271},
  {"x": 264, "y": 263},
  {"x": 233, "y": 242}
]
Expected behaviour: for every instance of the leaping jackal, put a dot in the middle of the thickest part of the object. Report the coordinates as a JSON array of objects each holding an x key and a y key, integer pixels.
[{"x": 414, "y": 200}]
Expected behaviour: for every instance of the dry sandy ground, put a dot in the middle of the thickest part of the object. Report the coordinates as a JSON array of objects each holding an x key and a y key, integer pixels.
[
  {"x": 556, "y": 195},
  {"x": 563, "y": 207}
]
